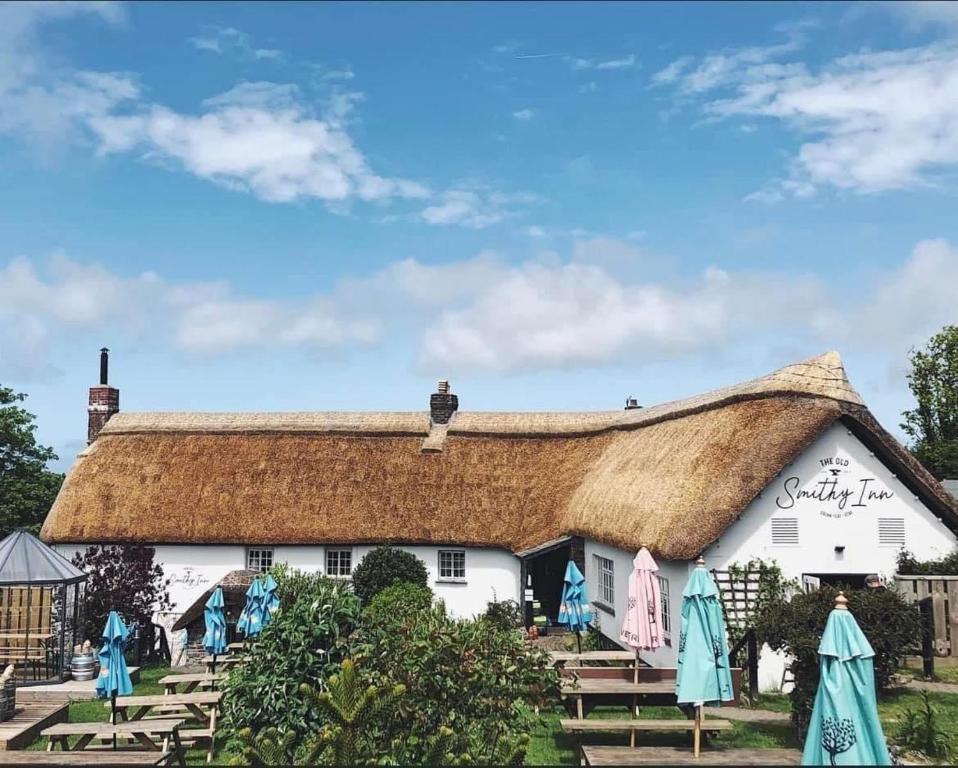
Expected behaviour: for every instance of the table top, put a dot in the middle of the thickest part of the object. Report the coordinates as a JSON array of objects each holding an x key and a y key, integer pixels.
[
  {"x": 87, "y": 757},
  {"x": 224, "y": 659},
  {"x": 108, "y": 729},
  {"x": 25, "y": 635},
  {"x": 596, "y": 685},
  {"x": 206, "y": 697},
  {"x": 193, "y": 677},
  {"x": 558, "y": 656}
]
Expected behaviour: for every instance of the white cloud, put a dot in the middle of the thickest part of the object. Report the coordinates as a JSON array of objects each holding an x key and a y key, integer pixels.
[
  {"x": 921, "y": 13},
  {"x": 524, "y": 115},
  {"x": 228, "y": 40},
  {"x": 874, "y": 121},
  {"x": 476, "y": 207},
  {"x": 625, "y": 62},
  {"x": 599, "y": 306}
]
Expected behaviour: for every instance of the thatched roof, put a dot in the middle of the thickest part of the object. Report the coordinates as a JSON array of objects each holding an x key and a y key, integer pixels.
[{"x": 671, "y": 477}]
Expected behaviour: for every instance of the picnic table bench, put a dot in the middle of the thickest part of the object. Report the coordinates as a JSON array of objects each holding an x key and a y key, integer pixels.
[
  {"x": 191, "y": 682},
  {"x": 87, "y": 757},
  {"x": 224, "y": 662},
  {"x": 564, "y": 657},
  {"x": 146, "y": 732},
  {"x": 601, "y": 756},
  {"x": 203, "y": 708}
]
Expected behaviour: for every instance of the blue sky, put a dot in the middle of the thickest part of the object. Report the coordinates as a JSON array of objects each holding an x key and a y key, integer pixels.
[{"x": 310, "y": 207}]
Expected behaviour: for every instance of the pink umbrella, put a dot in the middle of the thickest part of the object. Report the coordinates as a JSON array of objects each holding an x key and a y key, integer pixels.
[{"x": 642, "y": 627}]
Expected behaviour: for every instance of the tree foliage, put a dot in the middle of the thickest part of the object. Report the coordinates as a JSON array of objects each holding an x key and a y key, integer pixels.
[
  {"x": 892, "y": 626},
  {"x": 27, "y": 487},
  {"x": 384, "y": 566},
  {"x": 305, "y": 642},
  {"x": 121, "y": 579},
  {"x": 921, "y": 730},
  {"x": 908, "y": 564},
  {"x": 933, "y": 424}
]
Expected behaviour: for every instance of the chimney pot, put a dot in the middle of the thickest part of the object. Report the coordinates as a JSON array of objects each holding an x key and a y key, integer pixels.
[
  {"x": 443, "y": 404},
  {"x": 631, "y": 404},
  {"x": 104, "y": 400}
]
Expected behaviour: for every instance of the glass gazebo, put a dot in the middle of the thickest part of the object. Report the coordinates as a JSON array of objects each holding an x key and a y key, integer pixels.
[{"x": 40, "y": 593}]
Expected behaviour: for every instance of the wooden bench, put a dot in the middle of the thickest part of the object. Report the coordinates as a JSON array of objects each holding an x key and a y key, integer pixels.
[
  {"x": 201, "y": 707},
  {"x": 570, "y": 725},
  {"x": 146, "y": 732},
  {"x": 191, "y": 682},
  {"x": 223, "y": 662},
  {"x": 566, "y": 657},
  {"x": 602, "y": 756},
  {"x": 88, "y": 757}
]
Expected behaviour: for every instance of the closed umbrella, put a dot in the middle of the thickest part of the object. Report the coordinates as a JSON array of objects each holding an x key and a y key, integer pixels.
[
  {"x": 250, "y": 622},
  {"x": 271, "y": 599},
  {"x": 114, "y": 679},
  {"x": 642, "y": 626},
  {"x": 575, "y": 611},
  {"x": 703, "y": 675},
  {"x": 214, "y": 641},
  {"x": 845, "y": 729}
]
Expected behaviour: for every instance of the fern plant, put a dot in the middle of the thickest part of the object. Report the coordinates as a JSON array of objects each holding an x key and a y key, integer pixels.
[{"x": 920, "y": 731}]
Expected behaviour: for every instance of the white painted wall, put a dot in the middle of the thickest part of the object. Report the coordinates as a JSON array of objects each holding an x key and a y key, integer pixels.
[
  {"x": 824, "y": 522},
  {"x": 194, "y": 568}
]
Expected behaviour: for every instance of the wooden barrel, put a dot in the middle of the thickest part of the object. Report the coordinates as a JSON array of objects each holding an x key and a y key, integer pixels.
[{"x": 82, "y": 666}]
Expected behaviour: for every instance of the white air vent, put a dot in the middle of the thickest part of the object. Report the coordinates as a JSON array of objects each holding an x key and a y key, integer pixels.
[
  {"x": 785, "y": 531},
  {"x": 891, "y": 531}
]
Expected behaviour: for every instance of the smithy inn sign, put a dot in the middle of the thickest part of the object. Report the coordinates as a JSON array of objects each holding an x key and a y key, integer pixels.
[{"x": 836, "y": 489}]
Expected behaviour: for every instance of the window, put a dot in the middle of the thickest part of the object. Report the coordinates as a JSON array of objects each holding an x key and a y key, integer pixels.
[
  {"x": 339, "y": 562},
  {"x": 666, "y": 607},
  {"x": 785, "y": 531},
  {"x": 605, "y": 573},
  {"x": 891, "y": 531},
  {"x": 258, "y": 559},
  {"x": 452, "y": 565}
]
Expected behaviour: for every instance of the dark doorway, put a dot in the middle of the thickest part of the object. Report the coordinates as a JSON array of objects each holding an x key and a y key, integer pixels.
[
  {"x": 850, "y": 580},
  {"x": 546, "y": 572}
]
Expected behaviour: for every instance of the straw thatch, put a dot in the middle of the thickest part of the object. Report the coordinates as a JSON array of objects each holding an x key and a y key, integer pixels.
[{"x": 670, "y": 478}]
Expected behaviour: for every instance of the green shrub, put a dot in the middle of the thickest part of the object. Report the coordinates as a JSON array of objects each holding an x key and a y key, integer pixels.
[
  {"x": 398, "y": 600},
  {"x": 920, "y": 731},
  {"x": 384, "y": 566},
  {"x": 304, "y": 643},
  {"x": 292, "y": 584},
  {"x": 468, "y": 677},
  {"x": 944, "y": 566},
  {"x": 504, "y": 614},
  {"x": 892, "y": 626}
]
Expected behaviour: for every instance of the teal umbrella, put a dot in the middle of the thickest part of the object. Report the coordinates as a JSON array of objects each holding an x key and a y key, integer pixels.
[
  {"x": 574, "y": 611},
  {"x": 703, "y": 675},
  {"x": 251, "y": 619},
  {"x": 272, "y": 598},
  {"x": 214, "y": 641},
  {"x": 845, "y": 729},
  {"x": 114, "y": 679}
]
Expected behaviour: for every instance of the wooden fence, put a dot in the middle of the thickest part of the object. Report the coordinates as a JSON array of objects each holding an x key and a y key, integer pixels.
[{"x": 943, "y": 591}]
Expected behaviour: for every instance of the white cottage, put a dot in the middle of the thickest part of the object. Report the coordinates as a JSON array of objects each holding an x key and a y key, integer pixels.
[{"x": 791, "y": 466}]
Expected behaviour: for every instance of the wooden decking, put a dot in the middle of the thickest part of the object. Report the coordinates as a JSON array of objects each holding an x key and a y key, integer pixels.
[
  {"x": 713, "y": 755},
  {"x": 30, "y": 718},
  {"x": 71, "y": 690}
]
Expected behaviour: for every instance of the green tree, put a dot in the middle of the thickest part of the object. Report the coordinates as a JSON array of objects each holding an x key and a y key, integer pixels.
[
  {"x": 933, "y": 425},
  {"x": 27, "y": 487}
]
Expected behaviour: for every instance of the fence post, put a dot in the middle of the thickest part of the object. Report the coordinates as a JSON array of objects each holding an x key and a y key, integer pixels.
[
  {"x": 752, "y": 665},
  {"x": 925, "y": 605}
]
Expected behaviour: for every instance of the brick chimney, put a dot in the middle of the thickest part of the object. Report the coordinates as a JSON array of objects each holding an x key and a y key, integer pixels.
[
  {"x": 631, "y": 404},
  {"x": 442, "y": 404},
  {"x": 104, "y": 400}
]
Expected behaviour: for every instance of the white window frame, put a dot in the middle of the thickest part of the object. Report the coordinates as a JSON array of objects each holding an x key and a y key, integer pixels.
[
  {"x": 605, "y": 581},
  {"x": 339, "y": 552},
  {"x": 259, "y": 553},
  {"x": 454, "y": 558},
  {"x": 665, "y": 603}
]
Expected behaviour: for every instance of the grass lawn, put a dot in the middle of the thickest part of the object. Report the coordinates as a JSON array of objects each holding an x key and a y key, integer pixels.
[
  {"x": 550, "y": 746},
  {"x": 92, "y": 711}
]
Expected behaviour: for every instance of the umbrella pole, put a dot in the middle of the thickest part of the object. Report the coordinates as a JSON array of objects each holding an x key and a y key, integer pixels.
[
  {"x": 113, "y": 717},
  {"x": 697, "y": 733}
]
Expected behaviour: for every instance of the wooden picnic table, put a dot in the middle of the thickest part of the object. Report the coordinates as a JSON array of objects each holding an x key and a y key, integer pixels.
[
  {"x": 202, "y": 706},
  {"x": 146, "y": 732},
  {"x": 191, "y": 682},
  {"x": 237, "y": 646},
  {"x": 123, "y": 757},
  {"x": 564, "y": 657},
  {"x": 224, "y": 662}
]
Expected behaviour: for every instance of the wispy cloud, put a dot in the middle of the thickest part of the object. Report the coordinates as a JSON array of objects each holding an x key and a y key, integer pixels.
[
  {"x": 524, "y": 115},
  {"x": 624, "y": 62},
  {"x": 229, "y": 40}
]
